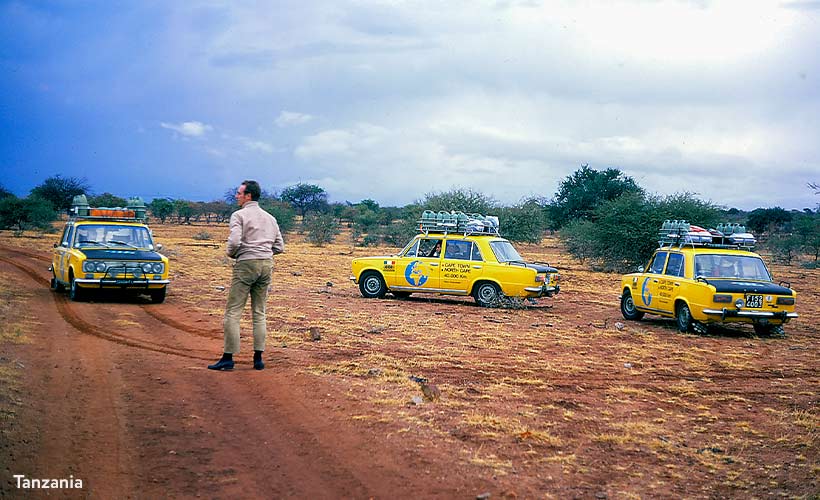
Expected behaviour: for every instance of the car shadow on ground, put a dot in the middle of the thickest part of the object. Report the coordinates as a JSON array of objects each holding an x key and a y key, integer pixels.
[
  {"x": 738, "y": 331},
  {"x": 115, "y": 297},
  {"x": 467, "y": 301}
]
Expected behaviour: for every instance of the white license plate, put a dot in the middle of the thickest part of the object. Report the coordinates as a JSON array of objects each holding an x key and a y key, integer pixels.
[{"x": 754, "y": 301}]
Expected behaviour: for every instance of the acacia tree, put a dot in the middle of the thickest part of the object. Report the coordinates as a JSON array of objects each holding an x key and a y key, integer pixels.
[
  {"x": 107, "y": 200},
  {"x": 305, "y": 198},
  {"x": 60, "y": 191},
  {"x": 25, "y": 213},
  {"x": 582, "y": 192},
  {"x": 161, "y": 208}
]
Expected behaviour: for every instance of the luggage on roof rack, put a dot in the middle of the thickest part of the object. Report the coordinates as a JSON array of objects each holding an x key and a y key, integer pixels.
[
  {"x": 134, "y": 211},
  {"x": 457, "y": 222},
  {"x": 729, "y": 235}
]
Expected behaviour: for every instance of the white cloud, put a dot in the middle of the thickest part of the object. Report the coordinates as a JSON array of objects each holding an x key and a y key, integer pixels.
[
  {"x": 288, "y": 118},
  {"x": 188, "y": 129}
]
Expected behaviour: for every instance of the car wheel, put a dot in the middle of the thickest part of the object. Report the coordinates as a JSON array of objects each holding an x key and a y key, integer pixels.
[
  {"x": 628, "y": 309},
  {"x": 158, "y": 295},
  {"x": 769, "y": 330},
  {"x": 75, "y": 293},
  {"x": 56, "y": 285},
  {"x": 401, "y": 295},
  {"x": 487, "y": 294},
  {"x": 372, "y": 285},
  {"x": 684, "y": 316}
]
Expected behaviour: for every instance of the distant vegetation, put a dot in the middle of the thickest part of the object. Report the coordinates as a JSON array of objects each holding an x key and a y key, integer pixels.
[{"x": 603, "y": 217}]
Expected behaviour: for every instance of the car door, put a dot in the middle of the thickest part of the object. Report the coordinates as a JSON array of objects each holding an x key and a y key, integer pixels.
[
  {"x": 651, "y": 282},
  {"x": 458, "y": 270},
  {"x": 669, "y": 285},
  {"x": 60, "y": 260},
  {"x": 419, "y": 268}
]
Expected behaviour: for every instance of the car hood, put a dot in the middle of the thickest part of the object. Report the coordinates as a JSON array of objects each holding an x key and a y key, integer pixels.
[
  {"x": 120, "y": 254},
  {"x": 738, "y": 286}
]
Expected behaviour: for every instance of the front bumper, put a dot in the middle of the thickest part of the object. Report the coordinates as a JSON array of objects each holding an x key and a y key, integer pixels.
[
  {"x": 736, "y": 313},
  {"x": 543, "y": 290},
  {"x": 130, "y": 283}
]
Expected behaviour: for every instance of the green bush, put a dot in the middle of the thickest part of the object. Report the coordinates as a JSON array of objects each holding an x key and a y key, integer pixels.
[{"x": 321, "y": 229}]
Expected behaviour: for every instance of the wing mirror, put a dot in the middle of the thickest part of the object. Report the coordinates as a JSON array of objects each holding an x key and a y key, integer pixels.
[
  {"x": 641, "y": 269},
  {"x": 159, "y": 246}
]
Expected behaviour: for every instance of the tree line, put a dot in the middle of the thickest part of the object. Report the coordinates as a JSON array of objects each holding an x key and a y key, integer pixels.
[{"x": 603, "y": 217}]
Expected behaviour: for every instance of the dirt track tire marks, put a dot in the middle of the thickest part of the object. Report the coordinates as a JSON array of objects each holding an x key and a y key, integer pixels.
[
  {"x": 71, "y": 316},
  {"x": 210, "y": 334}
]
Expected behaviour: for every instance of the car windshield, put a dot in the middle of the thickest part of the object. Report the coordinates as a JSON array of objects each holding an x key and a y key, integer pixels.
[
  {"x": 112, "y": 236},
  {"x": 505, "y": 252},
  {"x": 731, "y": 266}
]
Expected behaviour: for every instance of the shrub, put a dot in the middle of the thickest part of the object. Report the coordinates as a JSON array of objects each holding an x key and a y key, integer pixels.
[
  {"x": 202, "y": 236},
  {"x": 321, "y": 229}
]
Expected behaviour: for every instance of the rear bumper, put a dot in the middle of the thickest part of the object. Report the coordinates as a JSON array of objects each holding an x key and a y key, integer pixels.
[
  {"x": 735, "y": 313},
  {"x": 542, "y": 291}
]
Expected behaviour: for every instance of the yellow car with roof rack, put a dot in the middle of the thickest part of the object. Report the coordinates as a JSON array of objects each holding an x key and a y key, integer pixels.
[
  {"x": 456, "y": 254},
  {"x": 108, "y": 249},
  {"x": 702, "y": 277}
]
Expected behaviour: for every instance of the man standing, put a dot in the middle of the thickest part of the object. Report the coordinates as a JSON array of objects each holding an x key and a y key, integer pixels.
[{"x": 253, "y": 241}]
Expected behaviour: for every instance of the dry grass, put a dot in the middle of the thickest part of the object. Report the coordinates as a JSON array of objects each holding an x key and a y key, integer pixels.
[{"x": 550, "y": 391}]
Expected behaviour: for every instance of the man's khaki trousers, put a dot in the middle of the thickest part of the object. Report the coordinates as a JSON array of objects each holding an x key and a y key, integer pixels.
[{"x": 250, "y": 277}]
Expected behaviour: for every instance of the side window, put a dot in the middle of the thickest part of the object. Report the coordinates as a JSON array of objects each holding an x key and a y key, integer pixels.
[
  {"x": 67, "y": 232},
  {"x": 411, "y": 252},
  {"x": 429, "y": 248},
  {"x": 459, "y": 250},
  {"x": 656, "y": 267},
  {"x": 476, "y": 254},
  {"x": 675, "y": 265}
]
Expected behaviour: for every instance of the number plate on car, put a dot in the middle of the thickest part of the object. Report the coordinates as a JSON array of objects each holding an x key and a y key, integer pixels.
[{"x": 754, "y": 301}]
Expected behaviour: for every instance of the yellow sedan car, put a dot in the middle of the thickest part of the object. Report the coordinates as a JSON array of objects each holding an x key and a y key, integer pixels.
[
  {"x": 108, "y": 249},
  {"x": 701, "y": 282},
  {"x": 480, "y": 264}
]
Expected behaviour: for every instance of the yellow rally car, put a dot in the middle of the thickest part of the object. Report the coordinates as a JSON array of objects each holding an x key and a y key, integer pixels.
[
  {"x": 464, "y": 255},
  {"x": 702, "y": 277},
  {"x": 108, "y": 249}
]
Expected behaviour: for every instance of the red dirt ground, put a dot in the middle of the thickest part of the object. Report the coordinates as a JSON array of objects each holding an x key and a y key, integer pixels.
[{"x": 562, "y": 399}]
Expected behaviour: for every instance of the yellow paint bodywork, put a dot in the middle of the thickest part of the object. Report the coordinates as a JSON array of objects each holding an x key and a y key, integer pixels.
[
  {"x": 68, "y": 258},
  {"x": 662, "y": 293},
  {"x": 456, "y": 276}
]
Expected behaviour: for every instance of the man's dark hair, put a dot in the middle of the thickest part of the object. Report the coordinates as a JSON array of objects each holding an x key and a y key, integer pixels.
[{"x": 252, "y": 188}]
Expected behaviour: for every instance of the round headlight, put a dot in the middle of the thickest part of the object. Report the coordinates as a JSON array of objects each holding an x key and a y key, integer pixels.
[
  {"x": 146, "y": 268},
  {"x": 100, "y": 267},
  {"x": 88, "y": 267},
  {"x": 158, "y": 268},
  {"x": 739, "y": 303},
  {"x": 137, "y": 272}
]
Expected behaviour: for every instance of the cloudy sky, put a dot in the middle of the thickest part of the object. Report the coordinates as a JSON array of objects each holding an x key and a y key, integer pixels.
[{"x": 392, "y": 99}]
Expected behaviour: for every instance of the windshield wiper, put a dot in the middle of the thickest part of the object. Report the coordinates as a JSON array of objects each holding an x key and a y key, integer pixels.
[
  {"x": 91, "y": 242},
  {"x": 122, "y": 243}
]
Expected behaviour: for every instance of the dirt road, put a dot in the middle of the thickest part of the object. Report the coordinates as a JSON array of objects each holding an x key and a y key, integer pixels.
[
  {"x": 563, "y": 399},
  {"x": 122, "y": 401}
]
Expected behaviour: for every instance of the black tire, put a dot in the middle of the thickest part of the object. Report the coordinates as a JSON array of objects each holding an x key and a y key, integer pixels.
[
  {"x": 769, "y": 330},
  {"x": 401, "y": 295},
  {"x": 684, "y": 317},
  {"x": 158, "y": 295},
  {"x": 487, "y": 294},
  {"x": 75, "y": 293},
  {"x": 56, "y": 285},
  {"x": 628, "y": 309},
  {"x": 372, "y": 286}
]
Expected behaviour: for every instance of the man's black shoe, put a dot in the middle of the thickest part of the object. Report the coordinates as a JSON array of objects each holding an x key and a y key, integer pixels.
[
  {"x": 258, "y": 364},
  {"x": 222, "y": 364}
]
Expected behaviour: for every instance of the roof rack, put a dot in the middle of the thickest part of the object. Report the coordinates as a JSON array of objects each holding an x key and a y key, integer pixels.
[
  {"x": 457, "y": 222},
  {"x": 678, "y": 233},
  {"x": 80, "y": 210}
]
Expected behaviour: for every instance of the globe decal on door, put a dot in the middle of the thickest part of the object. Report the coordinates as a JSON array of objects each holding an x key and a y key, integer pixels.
[
  {"x": 646, "y": 295},
  {"x": 415, "y": 275}
]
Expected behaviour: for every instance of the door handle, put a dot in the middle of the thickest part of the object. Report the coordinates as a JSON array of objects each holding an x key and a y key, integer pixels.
[
  {"x": 654, "y": 281},
  {"x": 476, "y": 267},
  {"x": 433, "y": 264},
  {"x": 677, "y": 284}
]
